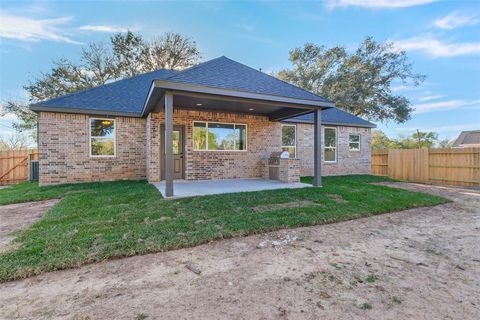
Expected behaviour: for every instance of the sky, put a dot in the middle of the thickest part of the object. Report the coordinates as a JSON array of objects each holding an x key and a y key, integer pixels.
[{"x": 442, "y": 39}]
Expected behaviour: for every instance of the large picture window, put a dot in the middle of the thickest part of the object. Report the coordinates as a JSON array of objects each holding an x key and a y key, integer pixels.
[
  {"x": 330, "y": 148},
  {"x": 102, "y": 137},
  {"x": 213, "y": 136},
  {"x": 289, "y": 139},
  {"x": 354, "y": 142}
]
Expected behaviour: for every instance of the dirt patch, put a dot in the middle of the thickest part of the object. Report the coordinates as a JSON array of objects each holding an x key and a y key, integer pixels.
[
  {"x": 286, "y": 205},
  {"x": 14, "y": 217},
  {"x": 422, "y": 263},
  {"x": 336, "y": 197}
]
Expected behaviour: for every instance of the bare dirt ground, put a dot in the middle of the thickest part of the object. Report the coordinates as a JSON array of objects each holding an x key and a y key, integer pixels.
[
  {"x": 18, "y": 216},
  {"x": 422, "y": 263}
]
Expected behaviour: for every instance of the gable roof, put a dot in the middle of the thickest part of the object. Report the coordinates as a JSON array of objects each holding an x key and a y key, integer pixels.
[
  {"x": 334, "y": 116},
  {"x": 468, "y": 139}
]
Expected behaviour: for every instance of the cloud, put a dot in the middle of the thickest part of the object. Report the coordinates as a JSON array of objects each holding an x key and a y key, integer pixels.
[
  {"x": 246, "y": 27},
  {"x": 449, "y": 130},
  {"x": 104, "y": 28},
  {"x": 8, "y": 117},
  {"x": 438, "y": 48},
  {"x": 403, "y": 88},
  {"x": 429, "y": 98},
  {"x": 445, "y": 105},
  {"x": 29, "y": 29},
  {"x": 388, "y": 4},
  {"x": 455, "y": 19}
]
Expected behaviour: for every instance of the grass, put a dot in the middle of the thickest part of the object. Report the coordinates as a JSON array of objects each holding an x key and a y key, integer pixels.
[
  {"x": 99, "y": 221},
  {"x": 366, "y": 306}
]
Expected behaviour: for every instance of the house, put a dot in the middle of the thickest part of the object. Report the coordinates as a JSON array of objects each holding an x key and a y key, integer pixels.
[
  {"x": 216, "y": 120},
  {"x": 467, "y": 139}
]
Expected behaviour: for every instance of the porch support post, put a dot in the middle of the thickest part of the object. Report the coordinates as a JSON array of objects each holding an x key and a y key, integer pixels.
[
  {"x": 317, "y": 148},
  {"x": 168, "y": 144}
]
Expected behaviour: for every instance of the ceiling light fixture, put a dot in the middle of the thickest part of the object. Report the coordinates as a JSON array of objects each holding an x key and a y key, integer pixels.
[
  {"x": 199, "y": 104},
  {"x": 251, "y": 109}
]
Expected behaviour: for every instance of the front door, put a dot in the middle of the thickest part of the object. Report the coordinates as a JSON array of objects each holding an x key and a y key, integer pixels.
[{"x": 178, "y": 148}]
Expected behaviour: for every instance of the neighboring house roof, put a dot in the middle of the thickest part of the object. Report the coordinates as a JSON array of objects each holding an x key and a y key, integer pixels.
[
  {"x": 128, "y": 96},
  {"x": 334, "y": 116},
  {"x": 468, "y": 139}
]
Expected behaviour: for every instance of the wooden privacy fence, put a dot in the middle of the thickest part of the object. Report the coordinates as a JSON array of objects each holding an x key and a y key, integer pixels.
[
  {"x": 437, "y": 166},
  {"x": 14, "y": 165}
]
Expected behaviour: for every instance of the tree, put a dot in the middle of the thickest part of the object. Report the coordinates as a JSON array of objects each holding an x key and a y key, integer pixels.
[
  {"x": 27, "y": 118},
  {"x": 380, "y": 141},
  {"x": 170, "y": 51},
  {"x": 360, "y": 82},
  {"x": 445, "y": 144},
  {"x": 14, "y": 142},
  {"x": 127, "y": 55},
  {"x": 418, "y": 140},
  {"x": 425, "y": 139}
]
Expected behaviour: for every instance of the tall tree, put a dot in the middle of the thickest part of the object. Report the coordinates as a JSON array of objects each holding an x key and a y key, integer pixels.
[
  {"x": 170, "y": 51},
  {"x": 127, "y": 55},
  {"x": 360, "y": 82}
]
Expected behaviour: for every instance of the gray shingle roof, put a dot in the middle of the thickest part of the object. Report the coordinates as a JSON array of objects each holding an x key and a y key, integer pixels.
[
  {"x": 467, "y": 139},
  {"x": 225, "y": 73},
  {"x": 334, "y": 116},
  {"x": 123, "y": 96},
  {"x": 128, "y": 96}
]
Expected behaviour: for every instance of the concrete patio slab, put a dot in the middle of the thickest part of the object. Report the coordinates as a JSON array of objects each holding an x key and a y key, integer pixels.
[{"x": 182, "y": 188}]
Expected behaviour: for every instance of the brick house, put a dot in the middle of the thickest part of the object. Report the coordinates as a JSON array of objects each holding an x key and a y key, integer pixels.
[{"x": 217, "y": 120}]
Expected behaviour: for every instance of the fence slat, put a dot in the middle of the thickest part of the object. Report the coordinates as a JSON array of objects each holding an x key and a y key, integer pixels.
[
  {"x": 14, "y": 165},
  {"x": 438, "y": 166}
]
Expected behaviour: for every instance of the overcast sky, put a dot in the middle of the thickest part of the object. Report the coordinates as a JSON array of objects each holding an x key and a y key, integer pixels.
[{"x": 442, "y": 38}]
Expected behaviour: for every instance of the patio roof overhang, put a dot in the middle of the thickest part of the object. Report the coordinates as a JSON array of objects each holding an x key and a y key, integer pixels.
[
  {"x": 195, "y": 97},
  {"x": 168, "y": 95}
]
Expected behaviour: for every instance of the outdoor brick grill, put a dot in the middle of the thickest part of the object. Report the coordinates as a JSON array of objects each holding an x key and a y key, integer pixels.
[
  {"x": 282, "y": 168},
  {"x": 274, "y": 165}
]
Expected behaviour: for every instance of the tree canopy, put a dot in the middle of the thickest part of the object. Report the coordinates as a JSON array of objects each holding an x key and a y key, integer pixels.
[
  {"x": 127, "y": 55},
  {"x": 359, "y": 82},
  {"x": 417, "y": 140}
]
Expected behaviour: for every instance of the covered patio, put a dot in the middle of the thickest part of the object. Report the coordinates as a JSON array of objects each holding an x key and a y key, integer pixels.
[
  {"x": 225, "y": 86},
  {"x": 194, "y": 188}
]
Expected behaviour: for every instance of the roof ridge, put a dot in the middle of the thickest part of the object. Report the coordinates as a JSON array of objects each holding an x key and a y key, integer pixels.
[
  {"x": 101, "y": 86},
  {"x": 291, "y": 85},
  {"x": 193, "y": 67}
]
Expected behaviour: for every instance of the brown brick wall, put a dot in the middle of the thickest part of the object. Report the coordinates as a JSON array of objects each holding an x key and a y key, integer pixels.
[
  {"x": 348, "y": 162},
  {"x": 262, "y": 139},
  {"x": 64, "y": 150}
]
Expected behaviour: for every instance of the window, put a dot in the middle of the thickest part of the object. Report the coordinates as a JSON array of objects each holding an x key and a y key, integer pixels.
[
  {"x": 354, "y": 142},
  {"x": 219, "y": 136},
  {"x": 102, "y": 137},
  {"x": 330, "y": 148},
  {"x": 289, "y": 139}
]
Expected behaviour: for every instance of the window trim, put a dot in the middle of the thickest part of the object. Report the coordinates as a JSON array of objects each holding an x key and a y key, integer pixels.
[
  {"x": 294, "y": 146},
  {"x": 359, "y": 142},
  {"x": 219, "y": 122},
  {"x": 336, "y": 145},
  {"x": 90, "y": 138}
]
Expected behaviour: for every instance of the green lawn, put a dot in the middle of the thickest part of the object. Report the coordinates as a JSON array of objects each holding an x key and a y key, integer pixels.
[{"x": 100, "y": 221}]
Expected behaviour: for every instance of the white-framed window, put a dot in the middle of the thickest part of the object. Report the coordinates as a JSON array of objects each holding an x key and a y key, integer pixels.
[
  {"x": 219, "y": 136},
  {"x": 330, "y": 145},
  {"x": 289, "y": 139},
  {"x": 102, "y": 137},
  {"x": 354, "y": 142}
]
